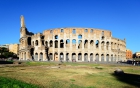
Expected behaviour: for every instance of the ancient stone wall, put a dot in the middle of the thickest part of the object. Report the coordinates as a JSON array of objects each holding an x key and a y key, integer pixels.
[{"x": 72, "y": 44}]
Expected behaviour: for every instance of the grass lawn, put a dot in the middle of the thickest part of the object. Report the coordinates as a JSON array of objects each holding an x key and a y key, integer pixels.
[{"x": 70, "y": 75}]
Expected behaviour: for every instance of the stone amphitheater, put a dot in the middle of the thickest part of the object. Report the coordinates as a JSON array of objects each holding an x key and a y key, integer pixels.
[{"x": 71, "y": 44}]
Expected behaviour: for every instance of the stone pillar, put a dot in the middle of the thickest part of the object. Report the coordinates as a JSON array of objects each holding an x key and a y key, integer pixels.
[
  {"x": 105, "y": 57},
  {"x": 82, "y": 56},
  {"x": 70, "y": 55},
  {"x": 76, "y": 43},
  {"x": 99, "y": 57},
  {"x": 99, "y": 45},
  {"x": 94, "y": 57},
  {"x": 49, "y": 43},
  {"x": 64, "y": 56},
  {"x": 88, "y": 44},
  {"x": 27, "y": 55},
  {"x": 38, "y": 56},
  {"x": 76, "y": 57},
  {"x": 88, "y": 57}
]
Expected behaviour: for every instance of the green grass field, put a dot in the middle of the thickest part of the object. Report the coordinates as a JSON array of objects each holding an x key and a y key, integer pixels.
[{"x": 68, "y": 75}]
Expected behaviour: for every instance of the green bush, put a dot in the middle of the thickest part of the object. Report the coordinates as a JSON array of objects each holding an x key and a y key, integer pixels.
[{"x": 13, "y": 83}]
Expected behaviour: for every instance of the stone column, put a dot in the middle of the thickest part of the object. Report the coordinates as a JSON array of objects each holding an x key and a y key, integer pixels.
[
  {"x": 64, "y": 56},
  {"x": 27, "y": 55},
  {"x": 105, "y": 57},
  {"x": 70, "y": 55},
  {"x": 94, "y": 57},
  {"x": 88, "y": 57},
  {"x": 83, "y": 44},
  {"x": 76, "y": 57},
  {"x": 99, "y": 57},
  {"x": 82, "y": 56}
]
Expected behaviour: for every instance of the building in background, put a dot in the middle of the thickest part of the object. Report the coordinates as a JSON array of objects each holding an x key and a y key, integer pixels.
[
  {"x": 129, "y": 54},
  {"x": 4, "y": 46},
  {"x": 136, "y": 55},
  {"x": 9, "y": 50},
  {"x": 14, "y": 48}
]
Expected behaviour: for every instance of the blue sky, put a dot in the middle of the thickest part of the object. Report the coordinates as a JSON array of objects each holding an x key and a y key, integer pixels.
[{"x": 122, "y": 17}]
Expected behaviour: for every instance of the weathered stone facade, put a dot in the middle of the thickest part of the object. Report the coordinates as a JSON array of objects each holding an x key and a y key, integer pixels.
[{"x": 71, "y": 44}]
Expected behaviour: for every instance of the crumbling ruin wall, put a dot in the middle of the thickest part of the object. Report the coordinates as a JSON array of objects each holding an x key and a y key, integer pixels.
[
  {"x": 76, "y": 44},
  {"x": 71, "y": 44}
]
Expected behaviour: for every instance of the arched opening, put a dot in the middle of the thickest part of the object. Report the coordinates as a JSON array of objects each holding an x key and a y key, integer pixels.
[
  {"x": 79, "y": 36},
  {"x": 74, "y": 43},
  {"x": 61, "y": 43},
  {"x": 61, "y": 57},
  {"x": 32, "y": 53},
  {"x": 86, "y": 44},
  {"x": 74, "y": 31},
  {"x": 56, "y": 56},
  {"x": 97, "y": 58},
  {"x": 118, "y": 47},
  {"x": 86, "y": 30},
  {"x": 51, "y": 43},
  {"x": 42, "y": 42},
  {"x": 115, "y": 58},
  {"x": 29, "y": 40},
  {"x": 115, "y": 45},
  {"x": 85, "y": 57},
  {"x": 73, "y": 57},
  {"x": 102, "y": 58},
  {"x": 67, "y": 43},
  {"x": 91, "y": 30},
  {"x": 107, "y": 58},
  {"x": 91, "y": 43},
  {"x": 51, "y": 31},
  {"x": 111, "y": 57},
  {"x": 41, "y": 57},
  {"x": 56, "y": 37},
  {"x": 62, "y": 30},
  {"x": 102, "y": 38},
  {"x": 79, "y": 57},
  {"x": 50, "y": 57},
  {"x": 102, "y": 33},
  {"x": 97, "y": 44},
  {"x": 91, "y": 57},
  {"x": 111, "y": 45},
  {"x": 102, "y": 45},
  {"x": 80, "y": 44},
  {"x": 56, "y": 44},
  {"x": 67, "y": 56},
  {"x": 42, "y": 37},
  {"x": 36, "y": 56},
  {"x": 107, "y": 45},
  {"x": 36, "y": 42}
]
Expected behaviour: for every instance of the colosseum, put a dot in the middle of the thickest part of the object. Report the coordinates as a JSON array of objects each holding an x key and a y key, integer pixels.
[{"x": 71, "y": 44}]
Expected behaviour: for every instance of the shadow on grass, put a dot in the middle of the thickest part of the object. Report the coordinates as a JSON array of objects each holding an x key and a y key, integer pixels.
[
  {"x": 132, "y": 79},
  {"x": 6, "y": 62}
]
